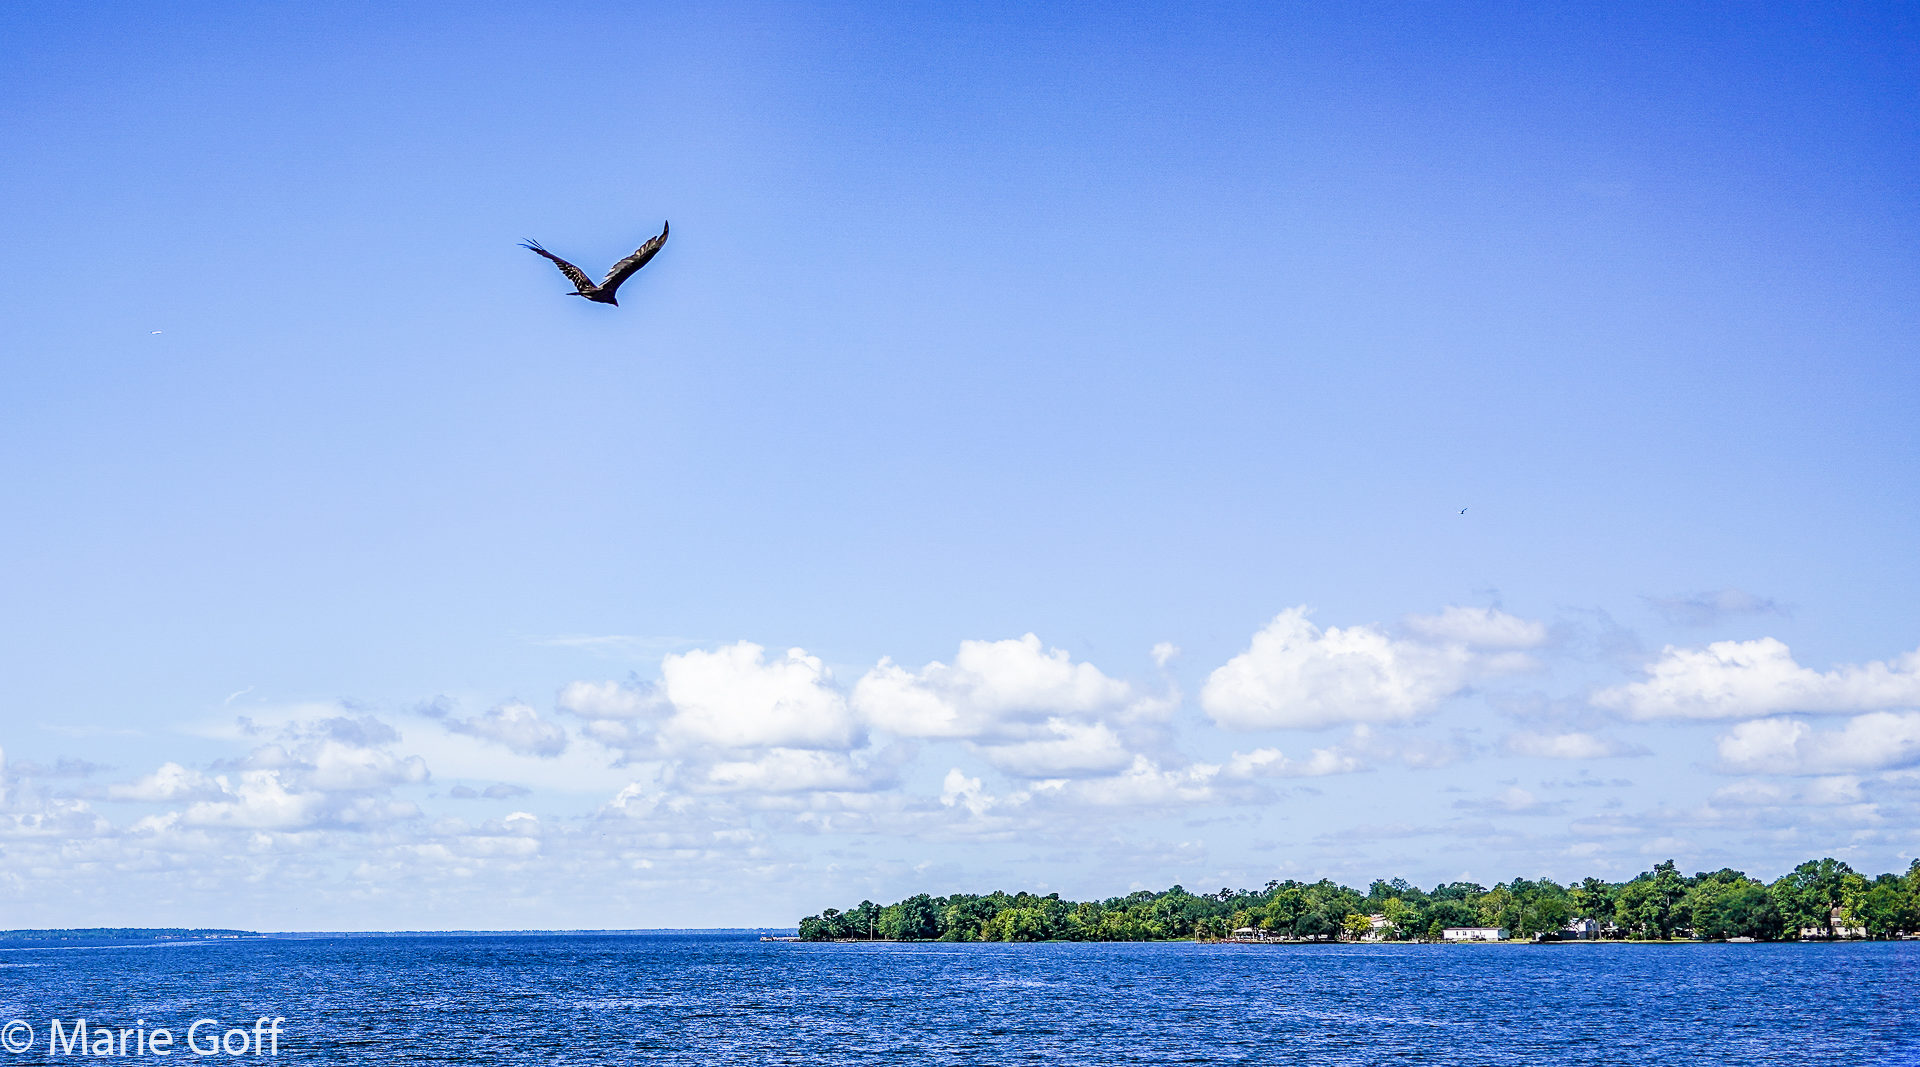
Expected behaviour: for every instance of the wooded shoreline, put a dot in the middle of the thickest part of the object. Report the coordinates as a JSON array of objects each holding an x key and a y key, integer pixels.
[{"x": 1821, "y": 899}]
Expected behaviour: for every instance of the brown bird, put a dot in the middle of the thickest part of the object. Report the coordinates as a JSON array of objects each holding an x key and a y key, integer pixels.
[{"x": 603, "y": 293}]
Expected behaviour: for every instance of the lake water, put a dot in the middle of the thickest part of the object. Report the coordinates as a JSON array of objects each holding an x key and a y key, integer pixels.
[{"x": 733, "y": 1000}]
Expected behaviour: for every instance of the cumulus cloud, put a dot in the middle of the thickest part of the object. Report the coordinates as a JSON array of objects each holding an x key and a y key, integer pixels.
[
  {"x": 992, "y": 689},
  {"x": 605, "y": 700},
  {"x": 787, "y": 770},
  {"x": 1031, "y": 711},
  {"x": 1575, "y": 745},
  {"x": 1821, "y": 792},
  {"x": 1066, "y": 749},
  {"x": 171, "y": 782},
  {"x": 514, "y": 726},
  {"x": 1296, "y": 675},
  {"x": 333, "y": 771},
  {"x": 1479, "y": 628},
  {"x": 1143, "y": 784},
  {"x": 259, "y": 801},
  {"x": 331, "y": 766},
  {"x": 1273, "y": 763},
  {"x": 1743, "y": 679},
  {"x": 959, "y": 790},
  {"x": 735, "y": 697},
  {"x": 1879, "y": 740}
]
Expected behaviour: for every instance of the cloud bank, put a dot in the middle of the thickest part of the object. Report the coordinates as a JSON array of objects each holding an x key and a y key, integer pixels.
[{"x": 1746, "y": 679}]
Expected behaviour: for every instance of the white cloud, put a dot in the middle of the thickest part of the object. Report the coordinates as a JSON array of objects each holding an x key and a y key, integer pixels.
[
  {"x": 1578, "y": 746},
  {"x": 958, "y": 789},
  {"x": 333, "y": 771},
  {"x": 1144, "y": 784},
  {"x": 1479, "y": 628},
  {"x": 604, "y": 700},
  {"x": 261, "y": 801},
  {"x": 1516, "y": 799},
  {"x": 171, "y": 782},
  {"x": 336, "y": 767},
  {"x": 787, "y": 770},
  {"x": 1741, "y": 679},
  {"x": 1295, "y": 675},
  {"x": 732, "y": 697},
  {"x": 1822, "y": 792},
  {"x": 1164, "y": 653},
  {"x": 517, "y": 727},
  {"x": 992, "y": 689},
  {"x": 1876, "y": 741},
  {"x": 1068, "y": 749},
  {"x": 1272, "y": 763},
  {"x": 1512, "y": 800}
]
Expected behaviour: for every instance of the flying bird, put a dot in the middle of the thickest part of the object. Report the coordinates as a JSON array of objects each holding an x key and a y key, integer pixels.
[
  {"x": 603, "y": 293},
  {"x": 1463, "y": 511}
]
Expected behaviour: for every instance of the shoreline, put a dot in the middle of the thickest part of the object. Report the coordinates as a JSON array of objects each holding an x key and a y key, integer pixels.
[{"x": 1281, "y": 943}]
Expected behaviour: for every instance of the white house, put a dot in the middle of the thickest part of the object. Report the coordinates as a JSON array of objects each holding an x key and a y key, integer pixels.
[
  {"x": 1377, "y": 928},
  {"x": 1474, "y": 933},
  {"x": 1580, "y": 930},
  {"x": 1838, "y": 925}
]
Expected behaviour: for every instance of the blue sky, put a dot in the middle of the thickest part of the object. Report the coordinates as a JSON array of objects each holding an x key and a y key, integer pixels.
[{"x": 1130, "y": 328}]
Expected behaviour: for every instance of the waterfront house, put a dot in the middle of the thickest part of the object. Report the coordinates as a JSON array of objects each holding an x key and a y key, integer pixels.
[
  {"x": 1580, "y": 930},
  {"x": 1474, "y": 933},
  {"x": 1378, "y": 928},
  {"x": 1837, "y": 928}
]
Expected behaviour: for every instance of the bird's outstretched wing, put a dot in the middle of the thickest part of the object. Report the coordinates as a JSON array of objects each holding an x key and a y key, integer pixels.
[
  {"x": 574, "y": 274},
  {"x": 624, "y": 269}
]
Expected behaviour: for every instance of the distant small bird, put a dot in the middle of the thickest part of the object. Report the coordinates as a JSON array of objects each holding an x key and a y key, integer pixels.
[
  {"x": 602, "y": 293},
  {"x": 1463, "y": 511}
]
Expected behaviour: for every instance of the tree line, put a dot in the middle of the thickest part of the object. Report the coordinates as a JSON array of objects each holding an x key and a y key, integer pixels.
[
  {"x": 1820, "y": 898},
  {"x": 121, "y": 933}
]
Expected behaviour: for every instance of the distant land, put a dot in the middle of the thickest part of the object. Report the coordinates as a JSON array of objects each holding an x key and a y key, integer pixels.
[
  {"x": 124, "y": 933},
  {"x": 1820, "y": 900}
]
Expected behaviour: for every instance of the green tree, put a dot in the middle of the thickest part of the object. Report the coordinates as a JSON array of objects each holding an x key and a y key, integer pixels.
[
  {"x": 913, "y": 919},
  {"x": 1658, "y": 903},
  {"x": 1807, "y": 897},
  {"x": 1720, "y": 909},
  {"x": 1315, "y": 925},
  {"x": 1492, "y": 909},
  {"x": 1543, "y": 908},
  {"x": 1402, "y": 918},
  {"x": 1649, "y": 906},
  {"x": 1887, "y": 908},
  {"x": 1446, "y": 913}
]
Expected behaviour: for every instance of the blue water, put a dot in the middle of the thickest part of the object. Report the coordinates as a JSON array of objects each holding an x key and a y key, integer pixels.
[{"x": 699, "y": 999}]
